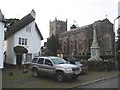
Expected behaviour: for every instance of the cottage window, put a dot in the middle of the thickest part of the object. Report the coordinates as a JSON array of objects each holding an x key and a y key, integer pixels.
[
  {"x": 28, "y": 57},
  {"x": 25, "y": 41},
  {"x": 28, "y": 28},
  {"x": 22, "y": 41}
]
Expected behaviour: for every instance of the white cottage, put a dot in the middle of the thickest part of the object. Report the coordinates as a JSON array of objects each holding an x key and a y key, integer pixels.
[
  {"x": 23, "y": 40},
  {"x": 1, "y": 38}
]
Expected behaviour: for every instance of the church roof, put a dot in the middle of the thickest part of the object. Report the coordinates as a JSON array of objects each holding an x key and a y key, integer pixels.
[
  {"x": 104, "y": 20},
  {"x": 21, "y": 24},
  {"x": 88, "y": 26}
]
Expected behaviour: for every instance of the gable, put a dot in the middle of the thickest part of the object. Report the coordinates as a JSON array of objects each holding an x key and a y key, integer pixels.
[
  {"x": 106, "y": 21},
  {"x": 19, "y": 25},
  {"x": 38, "y": 31}
]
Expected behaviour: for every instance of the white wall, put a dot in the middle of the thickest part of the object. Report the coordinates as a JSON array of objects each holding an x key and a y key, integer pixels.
[
  {"x": 9, "y": 50},
  {"x": 1, "y": 43},
  {"x": 33, "y": 39}
]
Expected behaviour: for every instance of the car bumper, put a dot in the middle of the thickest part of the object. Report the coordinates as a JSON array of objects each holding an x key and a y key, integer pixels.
[{"x": 70, "y": 75}]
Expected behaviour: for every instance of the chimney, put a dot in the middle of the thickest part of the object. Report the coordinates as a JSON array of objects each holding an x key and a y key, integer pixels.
[{"x": 33, "y": 13}]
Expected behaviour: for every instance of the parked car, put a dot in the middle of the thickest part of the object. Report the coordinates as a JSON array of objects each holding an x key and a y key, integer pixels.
[
  {"x": 54, "y": 66},
  {"x": 84, "y": 67}
]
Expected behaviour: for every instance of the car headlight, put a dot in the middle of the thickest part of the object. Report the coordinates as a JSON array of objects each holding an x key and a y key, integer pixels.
[{"x": 68, "y": 69}]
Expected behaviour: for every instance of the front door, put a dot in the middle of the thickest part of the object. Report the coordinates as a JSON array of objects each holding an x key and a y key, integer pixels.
[{"x": 18, "y": 60}]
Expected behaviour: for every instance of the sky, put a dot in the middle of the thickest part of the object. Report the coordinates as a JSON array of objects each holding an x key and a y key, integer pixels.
[{"x": 84, "y": 12}]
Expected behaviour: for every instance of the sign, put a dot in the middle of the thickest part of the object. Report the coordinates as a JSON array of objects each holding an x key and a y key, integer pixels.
[{"x": 93, "y": 52}]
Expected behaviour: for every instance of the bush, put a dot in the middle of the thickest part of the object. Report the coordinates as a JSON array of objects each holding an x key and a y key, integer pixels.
[
  {"x": 106, "y": 57},
  {"x": 86, "y": 57},
  {"x": 107, "y": 62}
]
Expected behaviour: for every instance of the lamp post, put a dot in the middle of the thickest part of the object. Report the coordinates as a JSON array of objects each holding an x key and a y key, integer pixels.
[{"x": 115, "y": 44}]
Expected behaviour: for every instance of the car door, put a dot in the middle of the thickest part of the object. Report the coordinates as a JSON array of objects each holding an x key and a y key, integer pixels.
[
  {"x": 48, "y": 67},
  {"x": 34, "y": 62},
  {"x": 40, "y": 65}
]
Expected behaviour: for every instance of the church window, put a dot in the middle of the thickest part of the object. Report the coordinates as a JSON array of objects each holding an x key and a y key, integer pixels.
[
  {"x": 107, "y": 42},
  {"x": 61, "y": 27}
]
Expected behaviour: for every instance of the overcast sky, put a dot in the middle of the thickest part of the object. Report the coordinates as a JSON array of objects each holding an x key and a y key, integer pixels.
[{"x": 84, "y": 12}]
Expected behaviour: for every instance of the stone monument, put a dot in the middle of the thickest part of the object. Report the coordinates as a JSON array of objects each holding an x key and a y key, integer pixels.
[{"x": 95, "y": 49}]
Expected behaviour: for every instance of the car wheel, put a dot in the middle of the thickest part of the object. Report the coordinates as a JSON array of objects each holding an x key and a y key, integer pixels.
[
  {"x": 60, "y": 76},
  {"x": 35, "y": 73}
]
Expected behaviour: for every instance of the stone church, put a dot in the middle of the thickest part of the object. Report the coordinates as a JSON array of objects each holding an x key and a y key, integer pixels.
[{"x": 78, "y": 41}]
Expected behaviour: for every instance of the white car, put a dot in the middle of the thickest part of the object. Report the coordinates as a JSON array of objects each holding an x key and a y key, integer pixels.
[{"x": 54, "y": 66}]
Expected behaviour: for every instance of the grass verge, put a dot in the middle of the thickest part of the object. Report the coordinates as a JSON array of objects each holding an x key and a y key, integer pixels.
[{"x": 26, "y": 80}]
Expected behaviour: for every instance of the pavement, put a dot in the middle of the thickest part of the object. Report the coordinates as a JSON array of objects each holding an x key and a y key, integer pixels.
[
  {"x": 108, "y": 83},
  {"x": 0, "y": 79}
]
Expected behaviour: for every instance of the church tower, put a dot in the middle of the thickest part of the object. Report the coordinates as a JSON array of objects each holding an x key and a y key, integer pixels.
[
  {"x": 1, "y": 38},
  {"x": 57, "y": 27}
]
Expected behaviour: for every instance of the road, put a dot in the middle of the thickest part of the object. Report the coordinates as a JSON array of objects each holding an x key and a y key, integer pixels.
[
  {"x": 107, "y": 83},
  {"x": 0, "y": 79}
]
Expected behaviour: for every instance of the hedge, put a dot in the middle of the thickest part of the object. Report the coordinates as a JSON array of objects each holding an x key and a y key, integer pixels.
[{"x": 106, "y": 64}]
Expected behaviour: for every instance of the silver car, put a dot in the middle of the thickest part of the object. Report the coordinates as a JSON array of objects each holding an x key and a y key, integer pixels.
[{"x": 54, "y": 66}]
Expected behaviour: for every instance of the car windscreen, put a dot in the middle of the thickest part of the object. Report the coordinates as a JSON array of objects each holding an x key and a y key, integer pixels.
[
  {"x": 58, "y": 61},
  {"x": 77, "y": 62}
]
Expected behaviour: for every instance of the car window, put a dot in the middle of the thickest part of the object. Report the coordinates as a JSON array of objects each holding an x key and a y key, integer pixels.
[
  {"x": 58, "y": 61},
  {"x": 40, "y": 61},
  {"x": 48, "y": 62},
  {"x": 34, "y": 60}
]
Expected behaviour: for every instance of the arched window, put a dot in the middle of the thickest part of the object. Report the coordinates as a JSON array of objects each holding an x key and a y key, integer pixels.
[
  {"x": 107, "y": 42},
  {"x": 80, "y": 45}
]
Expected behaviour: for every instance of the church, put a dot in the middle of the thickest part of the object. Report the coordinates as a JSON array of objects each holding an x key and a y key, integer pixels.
[{"x": 77, "y": 41}]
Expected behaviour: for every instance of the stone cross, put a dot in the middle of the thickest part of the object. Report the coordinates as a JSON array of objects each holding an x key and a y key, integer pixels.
[{"x": 95, "y": 49}]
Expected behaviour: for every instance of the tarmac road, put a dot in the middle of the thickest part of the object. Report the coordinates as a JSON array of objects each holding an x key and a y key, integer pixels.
[
  {"x": 103, "y": 84},
  {"x": 106, "y": 83}
]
